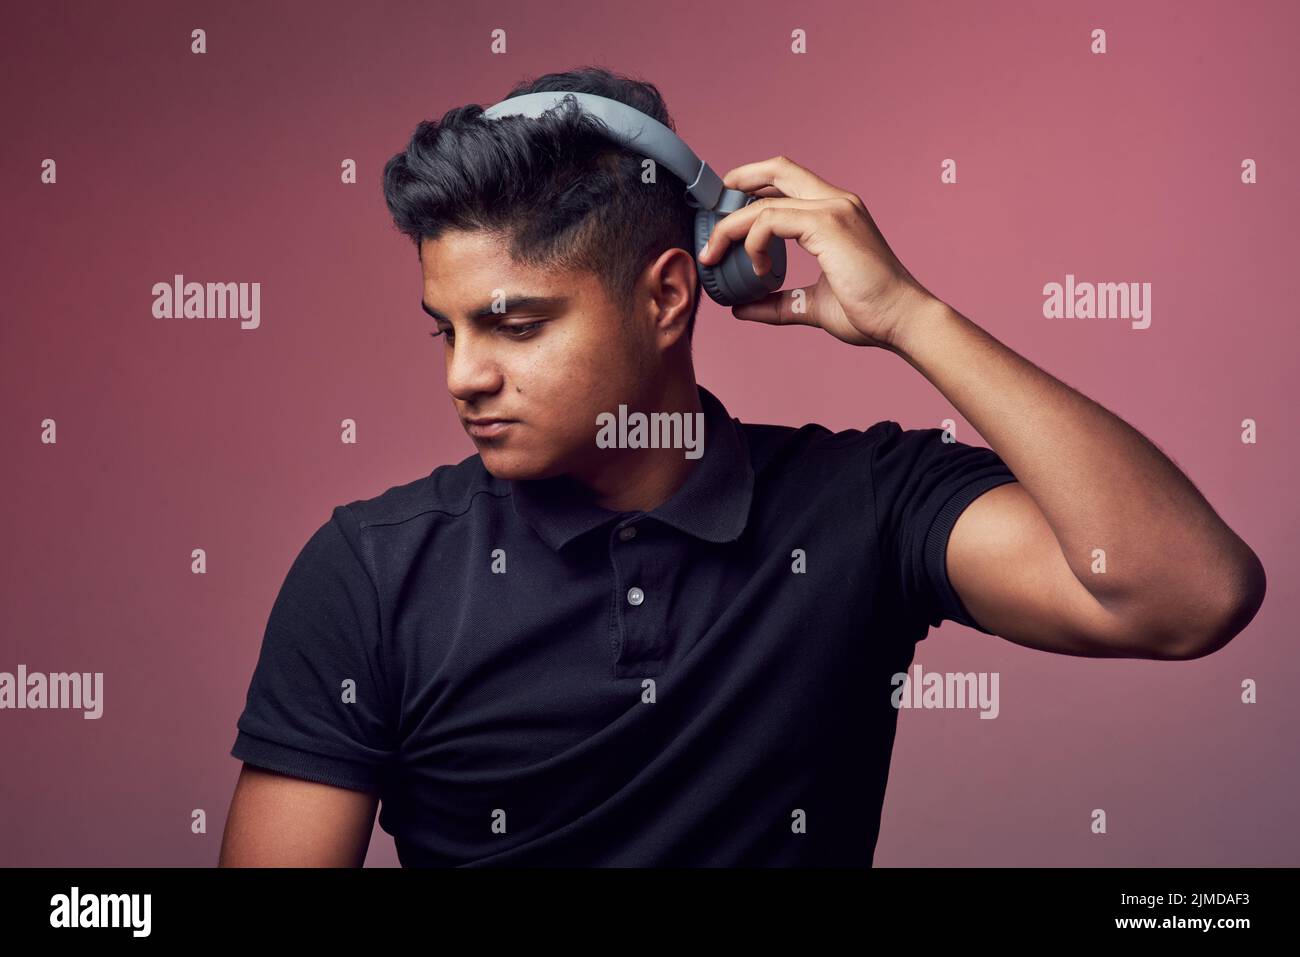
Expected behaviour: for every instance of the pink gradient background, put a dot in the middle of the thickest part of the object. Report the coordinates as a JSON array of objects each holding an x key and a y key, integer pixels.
[{"x": 225, "y": 167}]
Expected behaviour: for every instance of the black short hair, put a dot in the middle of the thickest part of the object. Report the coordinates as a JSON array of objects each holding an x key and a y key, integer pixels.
[{"x": 557, "y": 188}]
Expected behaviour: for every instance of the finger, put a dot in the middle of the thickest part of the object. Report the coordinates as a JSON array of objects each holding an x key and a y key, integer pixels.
[
  {"x": 756, "y": 241},
  {"x": 788, "y": 307},
  {"x": 786, "y": 175},
  {"x": 735, "y": 225}
]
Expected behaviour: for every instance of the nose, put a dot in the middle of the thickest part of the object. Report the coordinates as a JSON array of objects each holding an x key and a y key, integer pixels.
[{"x": 472, "y": 370}]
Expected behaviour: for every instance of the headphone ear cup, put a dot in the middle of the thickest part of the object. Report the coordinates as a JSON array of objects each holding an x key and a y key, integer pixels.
[
  {"x": 711, "y": 277},
  {"x": 731, "y": 281}
]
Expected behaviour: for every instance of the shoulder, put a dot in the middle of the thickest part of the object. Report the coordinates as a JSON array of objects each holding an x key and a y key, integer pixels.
[
  {"x": 449, "y": 490},
  {"x": 884, "y": 459},
  {"x": 391, "y": 528},
  {"x": 774, "y": 447}
]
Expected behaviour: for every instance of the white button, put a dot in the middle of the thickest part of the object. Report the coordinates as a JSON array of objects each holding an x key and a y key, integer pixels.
[
  {"x": 627, "y": 532},
  {"x": 635, "y": 596}
]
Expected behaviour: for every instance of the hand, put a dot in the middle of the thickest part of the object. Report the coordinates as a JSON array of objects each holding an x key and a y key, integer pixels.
[{"x": 864, "y": 293}]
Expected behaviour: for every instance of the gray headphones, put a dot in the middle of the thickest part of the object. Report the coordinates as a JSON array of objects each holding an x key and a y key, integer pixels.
[{"x": 732, "y": 281}]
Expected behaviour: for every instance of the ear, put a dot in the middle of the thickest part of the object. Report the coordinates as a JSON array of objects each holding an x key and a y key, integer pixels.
[{"x": 672, "y": 283}]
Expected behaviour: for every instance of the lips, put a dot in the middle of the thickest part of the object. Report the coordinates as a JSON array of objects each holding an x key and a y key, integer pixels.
[{"x": 487, "y": 428}]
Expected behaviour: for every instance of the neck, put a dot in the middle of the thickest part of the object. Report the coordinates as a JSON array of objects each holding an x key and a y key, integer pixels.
[{"x": 638, "y": 480}]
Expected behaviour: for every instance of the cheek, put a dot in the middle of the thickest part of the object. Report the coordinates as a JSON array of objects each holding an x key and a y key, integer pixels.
[
  {"x": 566, "y": 363},
  {"x": 571, "y": 377}
]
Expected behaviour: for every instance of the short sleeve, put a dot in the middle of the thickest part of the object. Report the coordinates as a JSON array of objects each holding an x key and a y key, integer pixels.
[
  {"x": 316, "y": 705},
  {"x": 921, "y": 485}
]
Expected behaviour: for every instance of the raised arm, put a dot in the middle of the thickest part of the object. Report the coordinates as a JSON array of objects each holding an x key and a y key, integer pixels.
[
  {"x": 1103, "y": 547},
  {"x": 1024, "y": 558}
]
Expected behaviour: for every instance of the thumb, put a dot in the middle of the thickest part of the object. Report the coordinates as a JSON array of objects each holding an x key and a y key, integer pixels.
[{"x": 785, "y": 307}]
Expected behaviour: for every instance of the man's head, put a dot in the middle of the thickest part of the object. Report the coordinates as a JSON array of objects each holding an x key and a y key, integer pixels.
[{"x": 516, "y": 208}]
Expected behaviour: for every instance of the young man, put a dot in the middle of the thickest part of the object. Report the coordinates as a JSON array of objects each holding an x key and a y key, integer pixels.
[{"x": 567, "y": 651}]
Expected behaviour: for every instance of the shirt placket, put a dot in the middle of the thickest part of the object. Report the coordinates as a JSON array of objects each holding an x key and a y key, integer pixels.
[{"x": 640, "y": 597}]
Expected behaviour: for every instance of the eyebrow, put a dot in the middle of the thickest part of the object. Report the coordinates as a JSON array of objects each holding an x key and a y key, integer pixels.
[{"x": 516, "y": 304}]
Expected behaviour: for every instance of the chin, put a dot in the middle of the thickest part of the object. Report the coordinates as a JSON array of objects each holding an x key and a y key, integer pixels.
[{"x": 507, "y": 465}]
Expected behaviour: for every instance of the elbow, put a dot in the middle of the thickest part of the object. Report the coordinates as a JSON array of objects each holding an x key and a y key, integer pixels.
[{"x": 1236, "y": 609}]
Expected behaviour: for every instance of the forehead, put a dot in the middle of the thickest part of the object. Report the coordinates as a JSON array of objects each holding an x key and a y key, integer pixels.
[{"x": 461, "y": 266}]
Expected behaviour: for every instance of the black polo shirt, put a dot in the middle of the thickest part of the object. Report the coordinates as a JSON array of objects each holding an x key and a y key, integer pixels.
[{"x": 527, "y": 679}]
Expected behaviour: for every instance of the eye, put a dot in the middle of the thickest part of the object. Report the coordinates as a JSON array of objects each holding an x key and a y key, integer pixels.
[
  {"x": 519, "y": 331},
  {"x": 525, "y": 328}
]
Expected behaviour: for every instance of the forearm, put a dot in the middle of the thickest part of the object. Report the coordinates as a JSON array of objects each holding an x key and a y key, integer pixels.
[{"x": 1168, "y": 558}]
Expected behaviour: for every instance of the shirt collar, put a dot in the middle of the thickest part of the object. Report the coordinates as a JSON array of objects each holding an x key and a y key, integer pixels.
[{"x": 712, "y": 504}]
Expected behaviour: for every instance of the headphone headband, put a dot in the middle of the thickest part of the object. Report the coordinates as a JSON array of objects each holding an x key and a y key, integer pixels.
[
  {"x": 640, "y": 133},
  {"x": 729, "y": 282}
]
